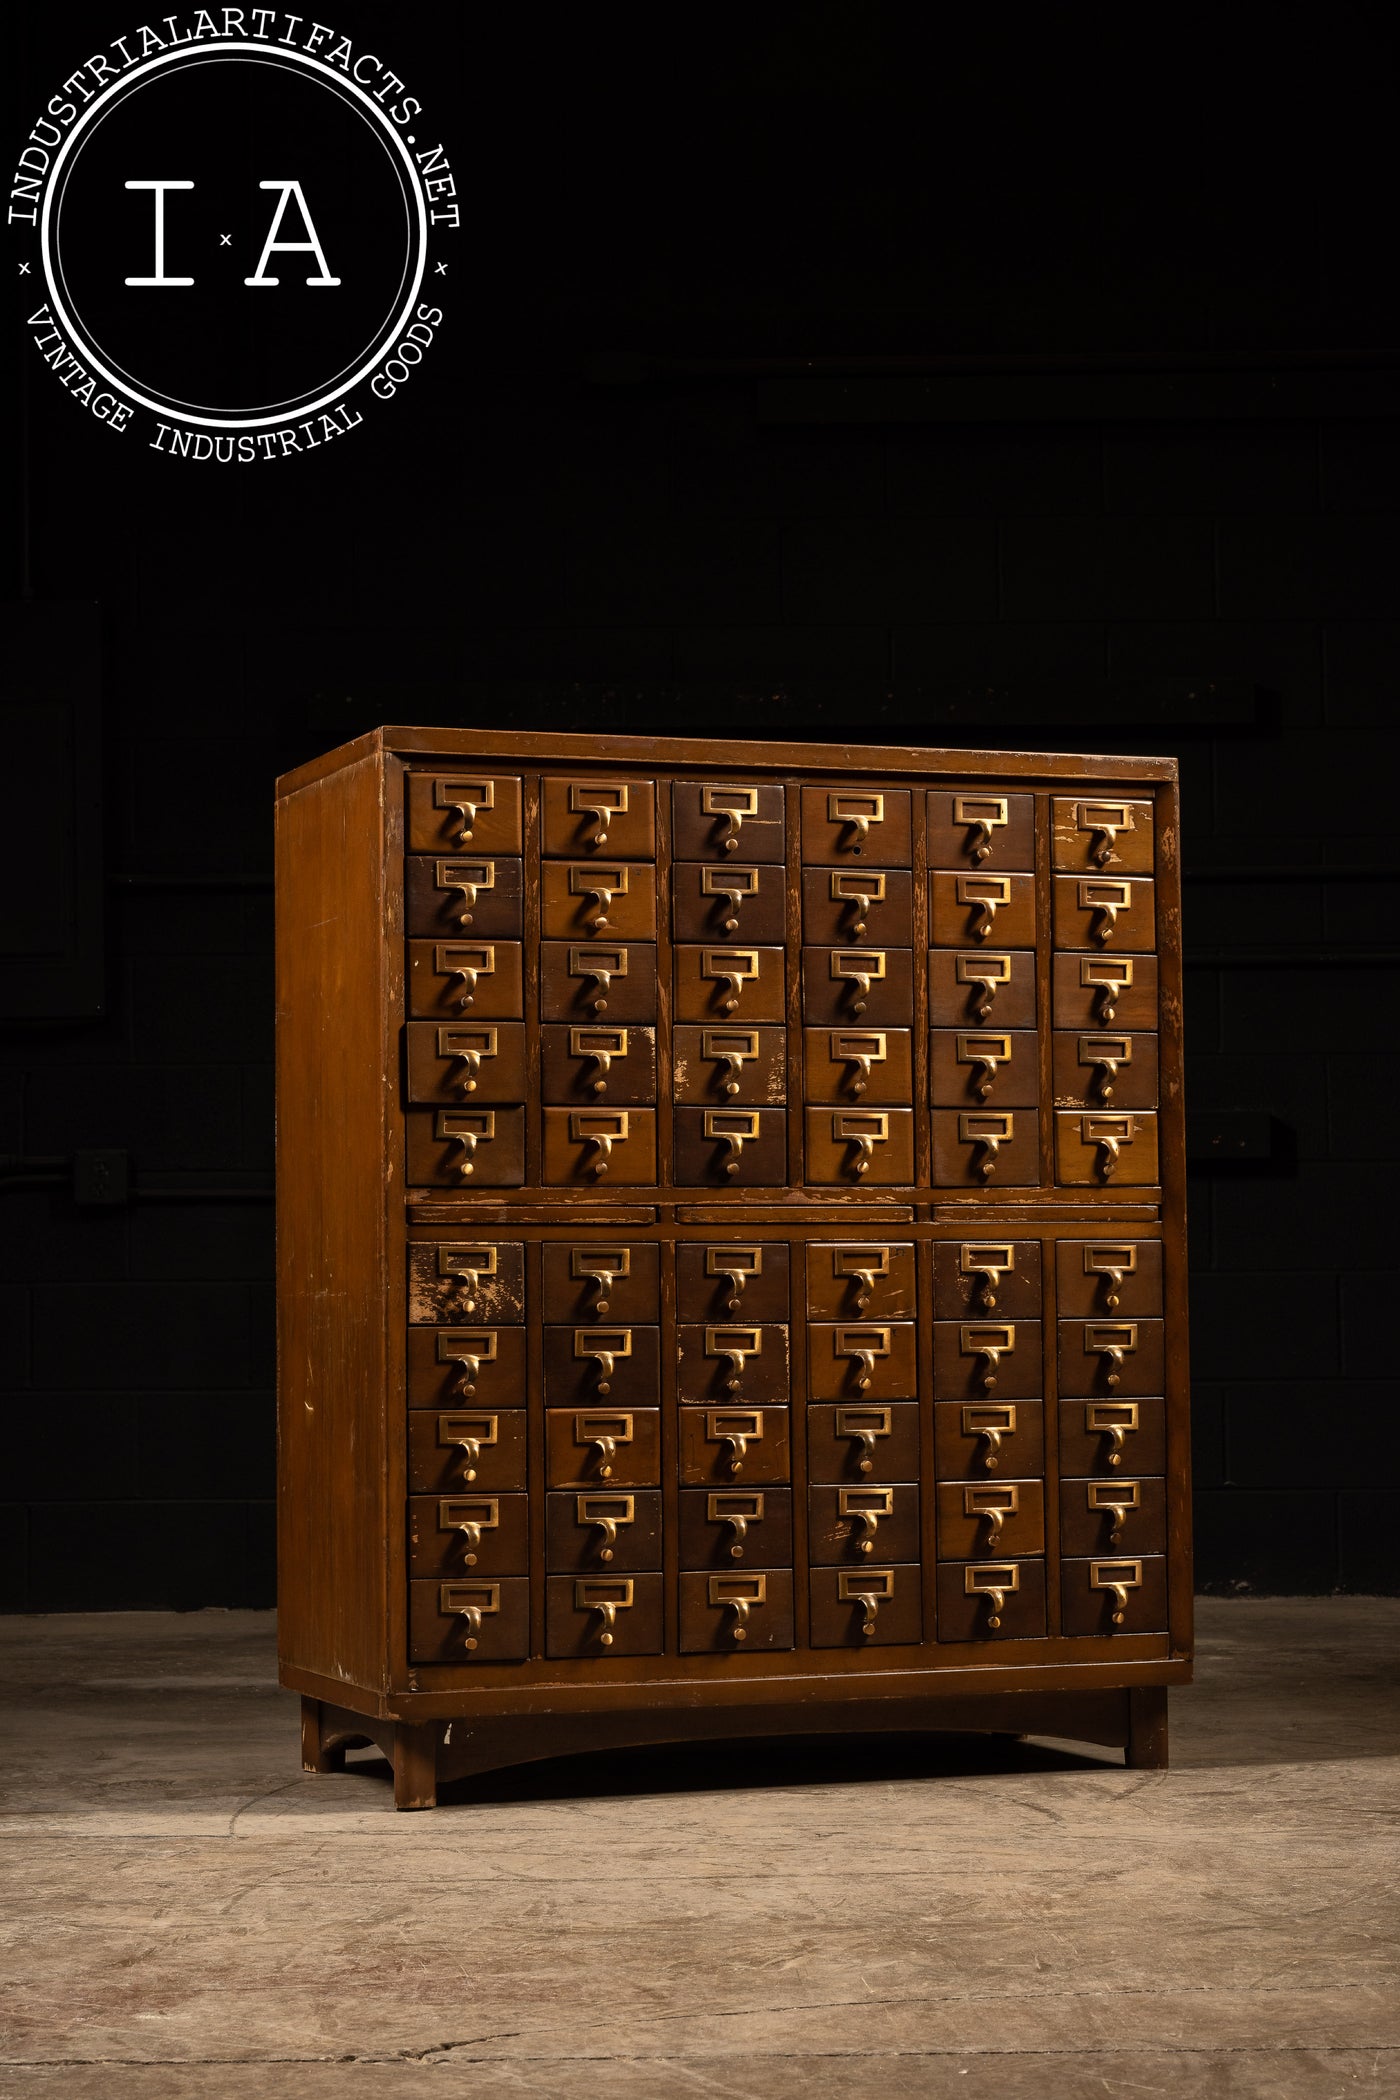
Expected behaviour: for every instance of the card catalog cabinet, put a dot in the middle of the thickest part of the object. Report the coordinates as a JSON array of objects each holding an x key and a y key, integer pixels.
[{"x": 731, "y": 1245}]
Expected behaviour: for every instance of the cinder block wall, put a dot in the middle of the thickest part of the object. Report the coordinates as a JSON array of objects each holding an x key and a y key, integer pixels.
[{"x": 547, "y": 531}]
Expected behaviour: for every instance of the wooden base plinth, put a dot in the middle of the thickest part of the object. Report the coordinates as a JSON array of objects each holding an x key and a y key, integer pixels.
[{"x": 427, "y": 1754}]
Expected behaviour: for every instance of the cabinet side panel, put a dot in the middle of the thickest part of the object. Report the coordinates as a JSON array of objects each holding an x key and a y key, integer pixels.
[{"x": 333, "y": 1520}]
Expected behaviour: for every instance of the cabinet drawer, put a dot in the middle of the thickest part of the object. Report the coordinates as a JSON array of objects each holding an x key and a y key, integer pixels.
[
  {"x": 858, "y": 1066},
  {"x": 857, "y": 825},
  {"x": 462, "y": 897},
  {"x": 982, "y": 1439},
  {"x": 858, "y": 986},
  {"x": 607, "y": 1361},
  {"x": 726, "y": 903},
  {"x": 971, "y": 989},
  {"x": 472, "y": 1532},
  {"x": 1102, "y": 834},
  {"x": 984, "y": 1067},
  {"x": 862, "y": 1523},
  {"x": 736, "y": 1611},
  {"x": 1102, "y": 1277},
  {"x": 724, "y": 1527},
  {"x": 1109, "y": 1437},
  {"x": 466, "y": 1279},
  {"x": 986, "y": 1148},
  {"x": 991, "y": 1600},
  {"x": 1104, "y": 991},
  {"x": 981, "y": 1519},
  {"x": 1104, "y": 1068},
  {"x": 722, "y": 1446},
  {"x": 601, "y": 1444},
  {"x": 987, "y": 1358},
  {"x": 865, "y": 1607},
  {"x": 980, "y": 828},
  {"x": 720, "y": 1065},
  {"x": 465, "y": 1062},
  {"x": 863, "y": 1440},
  {"x": 469, "y": 1620},
  {"x": 1104, "y": 912},
  {"x": 862, "y": 1359},
  {"x": 464, "y": 980},
  {"x": 733, "y": 1360},
  {"x": 464, "y": 1447},
  {"x": 732, "y": 1280},
  {"x": 599, "y": 1278},
  {"x": 1114, "y": 1593},
  {"x": 597, "y": 1147},
  {"x": 860, "y": 1280},
  {"x": 598, "y": 899},
  {"x": 846, "y": 906},
  {"x": 598, "y": 813},
  {"x": 973, "y": 1279},
  {"x": 602, "y": 1530},
  {"x": 969, "y": 910},
  {"x": 719, "y": 820},
  {"x": 592, "y": 1063},
  {"x": 731, "y": 1147},
  {"x": 466, "y": 1366},
  {"x": 1111, "y": 1356},
  {"x": 1113, "y": 1516},
  {"x": 729, "y": 981},
  {"x": 1102, "y": 1145},
  {"x": 587, "y": 980},
  {"x": 465, "y": 1147},
  {"x": 463, "y": 811},
  {"x": 865, "y": 1147},
  {"x": 604, "y": 1614}
]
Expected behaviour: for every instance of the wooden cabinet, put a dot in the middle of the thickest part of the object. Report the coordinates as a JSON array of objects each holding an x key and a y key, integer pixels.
[{"x": 731, "y": 1250}]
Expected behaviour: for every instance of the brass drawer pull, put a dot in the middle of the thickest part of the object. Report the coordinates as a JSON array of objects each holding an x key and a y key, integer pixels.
[
  {"x": 1107, "y": 1054},
  {"x": 982, "y": 814},
  {"x": 738, "y": 1594},
  {"x": 987, "y": 1131},
  {"x": 603, "y": 1514},
  {"x": 1115, "y": 1419},
  {"x": 1104, "y": 899},
  {"x": 734, "y": 1127},
  {"x": 469, "y": 1433},
  {"x": 1117, "y": 1497},
  {"x": 860, "y": 1266},
  {"x": 733, "y": 967},
  {"x": 471, "y": 1517},
  {"x": 600, "y": 1046},
  {"x": 863, "y": 1425},
  {"x": 730, "y": 806},
  {"x": 466, "y": 1129},
  {"x": 994, "y": 1581},
  {"x": 1107, "y": 977},
  {"x": 988, "y": 1343},
  {"x": 858, "y": 969},
  {"x": 729, "y": 1047},
  {"x": 466, "y": 1047},
  {"x": 992, "y": 1506},
  {"x": 735, "y": 1265},
  {"x": 984, "y": 895},
  {"x": 464, "y": 798},
  {"x": 1116, "y": 1577},
  {"x": 465, "y": 962},
  {"x": 600, "y": 1266},
  {"x": 736, "y": 1345},
  {"x": 857, "y": 1050},
  {"x": 607, "y": 1597},
  {"x": 601, "y": 1128},
  {"x": 465, "y": 879},
  {"x": 738, "y": 1508},
  {"x": 598, "y": 966},
  {"x": 601, "y": 884},
  {"x": 988, "y": 1263},
  {"x": 600, "y": 800},
  {"x": 867, "y": 1587},
  {"x": 986, "y": 972},
  {"x": 855, "y": 894},
  {"x": 1111, "y": 1341},
  {"x": 733, "y": 884},
  {"x": 603, "y": 1346},
  {"x": 1105, "y": 820},
  {"x": 990, "y": 1422},
  {"x": 471, "y": 1347},
  {"x": 862, "y": 1345},
  {"x": 467, "y": 1265},
  {"x": 986, "y": 1054},
  {"x": 1111, "y": 1264},
  {"x": 865, "y": 1506},
  {"x": 855, "y": 811},
  {"x": 736, "y": 1427},
  {"x": 603, "y": 1433},
  {"x": 472, "y": 1601},
  {"x": 860, "y": 1130},
  {"x": 1109, "y": 1133}
]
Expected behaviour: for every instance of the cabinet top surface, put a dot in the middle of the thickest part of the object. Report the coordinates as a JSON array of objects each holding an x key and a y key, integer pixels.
[{"x": 523, "y": 746}]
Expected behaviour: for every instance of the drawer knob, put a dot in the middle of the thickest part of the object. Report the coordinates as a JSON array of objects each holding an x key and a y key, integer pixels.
[
  {"x": 738, "y": 1532},
  {"x": 733, "y": 899}
]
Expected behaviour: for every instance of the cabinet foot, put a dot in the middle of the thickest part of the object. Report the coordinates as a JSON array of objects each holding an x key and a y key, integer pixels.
[
  {"x": 317, "y": 1754},
  {"x": 1147, "y": 1727},
  {"x": 415, "y": 1766}
]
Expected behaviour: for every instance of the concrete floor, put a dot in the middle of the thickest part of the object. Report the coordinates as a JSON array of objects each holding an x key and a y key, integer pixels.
[{"x": 189, "y": 1918}]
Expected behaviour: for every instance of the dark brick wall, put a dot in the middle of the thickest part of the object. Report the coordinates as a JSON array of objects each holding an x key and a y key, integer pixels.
[{"x": 551, "y": 532}]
